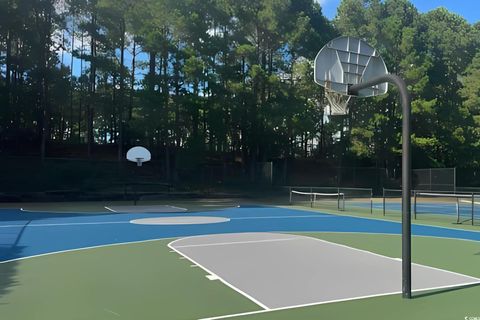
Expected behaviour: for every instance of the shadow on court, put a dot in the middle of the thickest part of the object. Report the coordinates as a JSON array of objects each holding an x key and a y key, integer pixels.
[
  {"x": 9, "y": 246},
  {"x": 17, "y": 215},
  {"x": 441, "y": 291}
]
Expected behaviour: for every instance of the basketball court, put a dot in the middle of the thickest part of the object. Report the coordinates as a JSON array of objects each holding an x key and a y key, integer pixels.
[{"x": 282, "y": 271}]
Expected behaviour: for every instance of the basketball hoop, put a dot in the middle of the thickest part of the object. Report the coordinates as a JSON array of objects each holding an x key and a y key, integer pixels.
[
  {"x": 344, "y": 62},
  {"x": 139, "y": 155},
  {"x": 337, "y": 101}
]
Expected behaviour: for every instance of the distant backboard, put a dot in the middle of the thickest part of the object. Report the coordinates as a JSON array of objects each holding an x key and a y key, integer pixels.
[
  {"x": 346, "y": 61},
  {"x": 138, "y": 155}
]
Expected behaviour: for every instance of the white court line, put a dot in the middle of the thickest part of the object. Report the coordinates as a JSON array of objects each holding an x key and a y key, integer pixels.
[
  {"x": 124, "y": 222},
  {"x": 84, "y": 248},
  {"x": 109, "y": 209},
  {"x": 286, "y": 217},
  {"x": 179, "y": 208},
  {"x": 60, "y": 224},
  {"x": 172, "y": 251},
  {"x": 112, "y": 312},
  {"x": 376, "y": 233},
  {"x": 391, "y": 258},
  {"x": 234, "y": 315},
  {"x": 64, "y": 212},
  {"x": 233, "y": 243},
  {"x": 170, "y": 245}
]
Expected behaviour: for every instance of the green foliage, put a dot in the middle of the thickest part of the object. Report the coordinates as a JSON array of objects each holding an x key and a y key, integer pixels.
[{"x": 225, "y": 79}]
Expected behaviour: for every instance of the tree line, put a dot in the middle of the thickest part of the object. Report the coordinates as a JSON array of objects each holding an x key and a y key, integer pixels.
[{"x": 225, "y": 80}]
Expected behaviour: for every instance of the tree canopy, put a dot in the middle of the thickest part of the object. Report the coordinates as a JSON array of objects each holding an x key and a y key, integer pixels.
[{"x": 222, "y": 80}]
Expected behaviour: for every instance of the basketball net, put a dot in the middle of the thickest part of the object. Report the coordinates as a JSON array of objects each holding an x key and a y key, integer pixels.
[{"x": 337, "y": 102}]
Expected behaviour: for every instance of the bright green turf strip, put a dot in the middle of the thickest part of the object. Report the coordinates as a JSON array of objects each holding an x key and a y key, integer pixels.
[
  {"x": 135, "y": 281},
  {"x": 455, "y": 255}
]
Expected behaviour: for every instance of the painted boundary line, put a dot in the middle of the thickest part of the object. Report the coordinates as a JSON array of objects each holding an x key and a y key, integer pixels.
[
  {"x": 286, "y": 232},
  {"x": 85, "y": 248},
  {"x": 160, "y": 217},
  {"x": 234, "y": 315},
  {"x": 61, "y": 224},
  {"x": 178, "y": 208},
  {"x": 170, "y": 245},
  {"x": 476, "y": 281},
  {"x": 60, "y": 212},
  {"x": 377, "y": 233},
  {"x": 284, "y": 217},
  {"x": 233, "y": 242}
]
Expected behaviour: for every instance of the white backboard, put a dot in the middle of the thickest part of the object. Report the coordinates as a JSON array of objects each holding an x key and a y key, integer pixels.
[{"x": 345, "y": 61}]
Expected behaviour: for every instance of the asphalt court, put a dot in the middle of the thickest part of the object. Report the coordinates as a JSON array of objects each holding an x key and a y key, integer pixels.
[{"x": 282, "y": 270}]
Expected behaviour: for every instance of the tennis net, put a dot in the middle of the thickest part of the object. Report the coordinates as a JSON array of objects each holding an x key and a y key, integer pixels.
[
  {"x": 317, "y": 199},
  {"x": 462, "y": 205}
]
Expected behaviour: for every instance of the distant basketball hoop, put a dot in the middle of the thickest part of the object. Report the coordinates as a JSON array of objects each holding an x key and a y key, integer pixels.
[{"x": 139, "y": 155}]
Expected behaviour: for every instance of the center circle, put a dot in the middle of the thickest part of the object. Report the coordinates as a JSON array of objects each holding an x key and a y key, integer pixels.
[{"x": 179, "y": 220}]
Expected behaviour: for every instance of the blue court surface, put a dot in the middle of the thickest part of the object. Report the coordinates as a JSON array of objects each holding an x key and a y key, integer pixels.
[{"x": 24, "y": 234}]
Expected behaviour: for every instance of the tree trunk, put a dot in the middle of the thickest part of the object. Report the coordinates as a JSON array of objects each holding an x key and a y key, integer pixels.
[
  {"x": 91, "y": 88},
  {"x": 151, "y": 71},
  {"x": 8, "y": 63},
  {"x": 45, "y": 35},
  {"x": 122, "y": 92},
  {"x": 70, "y": 122},
  {"x": 132, "y": 82}
]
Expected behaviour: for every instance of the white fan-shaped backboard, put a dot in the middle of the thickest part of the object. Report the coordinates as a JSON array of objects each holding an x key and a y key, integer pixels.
[
  {"x": 138, "y": 154},
  {"x": 345, "y": 61}
]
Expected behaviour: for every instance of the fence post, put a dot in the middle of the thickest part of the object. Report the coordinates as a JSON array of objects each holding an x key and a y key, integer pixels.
[
  {"x": 384, "y": 201},
  {"x": 415, "y": 204},
  {"x": 473, "y": 207}
]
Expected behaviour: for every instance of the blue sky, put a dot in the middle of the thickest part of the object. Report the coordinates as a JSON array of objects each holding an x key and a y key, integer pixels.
[{"x": 469, "y": 9}]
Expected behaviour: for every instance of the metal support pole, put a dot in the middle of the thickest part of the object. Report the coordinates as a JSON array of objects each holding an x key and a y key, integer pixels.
[
  {"x": 473, "y": 207},
  {"x": 406, "y": 174},
  {"x": 338, "y": 198},
  {"x": 414, "y": 204},
  {"x": 455, "y": 179},
  {"x": 290, "y": 191},
  {"x": 384, "y": 201},
  {"x": 371, "y": 201}
]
